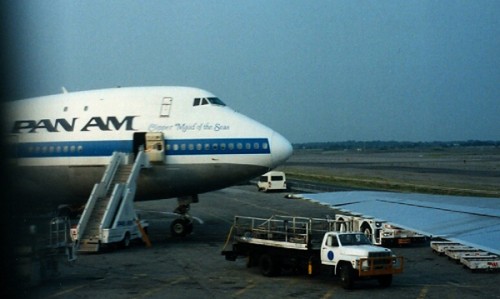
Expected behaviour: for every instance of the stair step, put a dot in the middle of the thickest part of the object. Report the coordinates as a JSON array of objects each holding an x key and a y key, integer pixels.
[
  {"x": 89, "y": 242},
  {"x": 89, "y": 247}
]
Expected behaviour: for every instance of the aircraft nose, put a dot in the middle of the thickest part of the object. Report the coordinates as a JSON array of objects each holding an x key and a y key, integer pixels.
[{"x": 281, "y": 149}]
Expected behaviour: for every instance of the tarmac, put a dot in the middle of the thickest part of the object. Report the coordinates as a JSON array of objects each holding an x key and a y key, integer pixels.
[{"x": 193, "y": 267}]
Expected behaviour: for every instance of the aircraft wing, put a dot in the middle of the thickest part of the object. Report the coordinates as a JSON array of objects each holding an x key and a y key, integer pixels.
[{"x": 473, "y": 221}]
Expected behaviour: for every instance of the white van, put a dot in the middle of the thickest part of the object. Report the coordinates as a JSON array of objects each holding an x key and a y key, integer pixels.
[{"x": 273, "y": 180}]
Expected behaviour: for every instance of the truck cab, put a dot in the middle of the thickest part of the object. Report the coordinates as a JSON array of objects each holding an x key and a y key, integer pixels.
[{"x": 353, "y": 256}]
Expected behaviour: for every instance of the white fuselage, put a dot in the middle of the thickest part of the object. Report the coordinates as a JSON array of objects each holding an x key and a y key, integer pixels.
[{"x": 60, "y": 144}]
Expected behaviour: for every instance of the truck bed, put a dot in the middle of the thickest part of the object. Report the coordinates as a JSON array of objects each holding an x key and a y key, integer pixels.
[{"x": 282, "y": 231}]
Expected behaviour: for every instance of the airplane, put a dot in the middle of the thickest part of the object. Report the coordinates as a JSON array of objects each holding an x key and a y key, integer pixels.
[{"x": 59, "y": 145}]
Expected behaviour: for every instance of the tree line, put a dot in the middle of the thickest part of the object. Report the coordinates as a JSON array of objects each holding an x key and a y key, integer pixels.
[{"x": 394, "y": 145}]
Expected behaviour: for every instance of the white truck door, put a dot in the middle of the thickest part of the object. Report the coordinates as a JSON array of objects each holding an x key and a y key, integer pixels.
[{"x": 328, "y": 249}]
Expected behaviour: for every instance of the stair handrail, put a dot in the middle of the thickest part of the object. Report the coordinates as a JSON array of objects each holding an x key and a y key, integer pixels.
[
  {"x": 123, "y": 192},
  {"x": 128, "y": 197},
  {"x": 99, "y": 190},
  {"x": 129, "y": 189},
  {"x": 112, "y": 207},
  {"x": 87, "y": 212},
  {"x": 109, "y": 173},
  {"x": 140, "y": 161}
]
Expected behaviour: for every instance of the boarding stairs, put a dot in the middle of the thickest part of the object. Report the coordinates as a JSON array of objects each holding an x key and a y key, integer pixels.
[{"x": 108, "y": 198}]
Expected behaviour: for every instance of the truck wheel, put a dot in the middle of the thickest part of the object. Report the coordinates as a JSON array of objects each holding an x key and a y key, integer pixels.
[
  {"x": 385, "y": 281},
  {"x": 346, "y": 275},
  {"x": 268, "y": 265}
]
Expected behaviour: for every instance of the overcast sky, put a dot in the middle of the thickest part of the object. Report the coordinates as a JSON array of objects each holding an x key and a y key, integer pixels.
[{"x": 312, "y": 70}]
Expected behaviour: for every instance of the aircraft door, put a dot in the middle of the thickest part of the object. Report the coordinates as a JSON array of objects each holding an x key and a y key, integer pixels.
[{"x": 155, "y": 146}]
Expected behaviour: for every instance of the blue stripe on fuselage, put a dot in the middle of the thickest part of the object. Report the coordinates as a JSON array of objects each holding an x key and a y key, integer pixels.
[{"x": 177, "y": 147}]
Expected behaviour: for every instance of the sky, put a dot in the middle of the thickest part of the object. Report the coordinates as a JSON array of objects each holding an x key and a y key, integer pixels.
[{"x": 315, "y": 71}]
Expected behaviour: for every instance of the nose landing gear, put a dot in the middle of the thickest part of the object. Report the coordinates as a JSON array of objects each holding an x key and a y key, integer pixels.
[{"x": 183, "y": 226}]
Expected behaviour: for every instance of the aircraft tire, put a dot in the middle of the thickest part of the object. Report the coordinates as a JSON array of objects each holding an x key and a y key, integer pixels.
[
  {"x": 181, "y": 227},
  {"x": 365, "y": 228}
]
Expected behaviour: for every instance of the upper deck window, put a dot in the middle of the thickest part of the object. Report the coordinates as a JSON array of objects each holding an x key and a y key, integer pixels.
[{"x": 206, "y": 101}]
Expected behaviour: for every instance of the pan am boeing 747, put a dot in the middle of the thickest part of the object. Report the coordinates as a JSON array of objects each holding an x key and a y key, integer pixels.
[{"x": 61, "y": 144}]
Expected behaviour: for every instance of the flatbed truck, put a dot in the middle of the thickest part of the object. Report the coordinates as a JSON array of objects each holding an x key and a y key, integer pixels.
[{"x": 309, "y": 245}]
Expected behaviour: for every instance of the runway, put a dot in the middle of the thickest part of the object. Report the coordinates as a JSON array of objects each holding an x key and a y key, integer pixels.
[{"x": 192, "y": 267}]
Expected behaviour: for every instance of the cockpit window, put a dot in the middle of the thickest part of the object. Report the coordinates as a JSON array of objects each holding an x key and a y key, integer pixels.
[
  {"x": 206, "y": 101},
  {"x": 216, "y": 101}
]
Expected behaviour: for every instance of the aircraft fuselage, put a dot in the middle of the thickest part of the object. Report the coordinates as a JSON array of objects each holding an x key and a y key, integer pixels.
[{"x": 59, "y": 145}]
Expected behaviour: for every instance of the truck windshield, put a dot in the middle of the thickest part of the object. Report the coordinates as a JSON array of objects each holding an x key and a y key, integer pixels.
[{"x": 354, "y": 239}]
